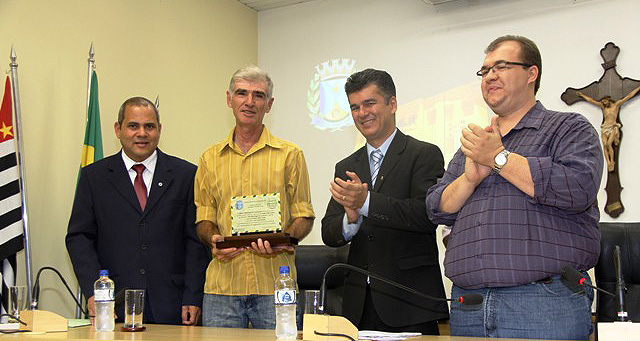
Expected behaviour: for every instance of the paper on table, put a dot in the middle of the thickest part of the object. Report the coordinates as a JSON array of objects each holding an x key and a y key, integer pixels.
[
  {"x": 9, "y": 326},
  {"x": 384, "y": 336},
  {"x": 72, "y": 323}
]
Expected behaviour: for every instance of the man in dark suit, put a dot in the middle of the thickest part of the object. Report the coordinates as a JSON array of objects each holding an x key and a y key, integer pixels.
[
  {"x": 377, "y": 204},
  {"x": 145, "y": 243}
]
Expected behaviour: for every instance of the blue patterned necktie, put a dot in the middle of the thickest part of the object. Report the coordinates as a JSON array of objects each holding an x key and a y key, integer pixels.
[{"x": 376, "y": 157}]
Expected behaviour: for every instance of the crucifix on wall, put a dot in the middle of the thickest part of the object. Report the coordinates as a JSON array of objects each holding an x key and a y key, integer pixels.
[{"x": 609, "y": 93}]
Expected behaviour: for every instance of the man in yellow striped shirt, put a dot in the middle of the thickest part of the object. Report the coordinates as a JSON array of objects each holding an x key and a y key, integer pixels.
[{"x": 240, "y": 281}]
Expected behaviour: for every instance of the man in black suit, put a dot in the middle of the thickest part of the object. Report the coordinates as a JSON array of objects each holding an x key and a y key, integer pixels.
[
  {"x": 145, "y": 243},
  {"x": 377, "y": 204}
]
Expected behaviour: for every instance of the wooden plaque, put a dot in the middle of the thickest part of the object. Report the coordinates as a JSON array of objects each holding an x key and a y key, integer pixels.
[{"x": 246, "y": 240}]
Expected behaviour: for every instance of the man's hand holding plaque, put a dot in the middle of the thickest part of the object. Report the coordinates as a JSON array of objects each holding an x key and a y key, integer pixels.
[
  {"x": 264, "y": 246},
  {"x": 256, "y": 223},
  {"x": 223, "y": 254}
]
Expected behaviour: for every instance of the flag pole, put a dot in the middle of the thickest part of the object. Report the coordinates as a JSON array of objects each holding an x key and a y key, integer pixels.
[
  {"x": 23, "y": 191},
  {"x": 91, "y": 66}
]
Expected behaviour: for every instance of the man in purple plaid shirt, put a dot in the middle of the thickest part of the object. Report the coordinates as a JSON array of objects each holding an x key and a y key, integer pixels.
[{"x": 520, "y": 195}]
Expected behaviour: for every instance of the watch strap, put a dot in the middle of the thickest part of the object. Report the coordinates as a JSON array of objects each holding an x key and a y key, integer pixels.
[{"x": 498, "y": 167}]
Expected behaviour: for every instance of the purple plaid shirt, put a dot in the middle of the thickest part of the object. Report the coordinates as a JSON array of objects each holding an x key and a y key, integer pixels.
[{"x": 501, "y": 236}]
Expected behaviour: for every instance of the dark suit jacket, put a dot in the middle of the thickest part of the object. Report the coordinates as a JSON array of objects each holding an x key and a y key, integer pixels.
[
  {"x": 156, "y": 250},
  {"x": 396, "y": 241}
]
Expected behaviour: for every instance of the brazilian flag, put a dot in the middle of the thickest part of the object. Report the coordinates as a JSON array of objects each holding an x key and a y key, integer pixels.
[{"x": 92, "y": 148}]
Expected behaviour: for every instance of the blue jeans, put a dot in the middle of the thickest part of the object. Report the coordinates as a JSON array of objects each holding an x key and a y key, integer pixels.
[
  {"x": 238, "y": 311},
  {"x": 528, "y": 311}
]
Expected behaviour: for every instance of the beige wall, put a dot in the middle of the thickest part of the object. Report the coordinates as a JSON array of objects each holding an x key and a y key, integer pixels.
[
  {"x": 434, "y": 51},
  {"x": 183, "y": 50}
]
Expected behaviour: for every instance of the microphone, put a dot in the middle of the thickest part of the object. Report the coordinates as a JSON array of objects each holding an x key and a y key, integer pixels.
[
  {"x": 41, "y": 320},
  {"x": 620, "y": 285},
  {"x": 573, "y": 277},
  {"x": 36, "y": 289},
  {"x": 118, "y": 297},
  {"x": 468, "y": 299}
]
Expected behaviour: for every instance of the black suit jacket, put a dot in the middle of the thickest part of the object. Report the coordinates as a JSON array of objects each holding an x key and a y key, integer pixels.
[
  {"x": 156, "y": 250},
  {"x": 396, "y": 241}
]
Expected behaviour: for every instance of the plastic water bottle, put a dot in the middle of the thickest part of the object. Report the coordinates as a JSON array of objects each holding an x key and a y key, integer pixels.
[
  {"x": 103, "y": 298},
  {"x": 285, "y": 298}
]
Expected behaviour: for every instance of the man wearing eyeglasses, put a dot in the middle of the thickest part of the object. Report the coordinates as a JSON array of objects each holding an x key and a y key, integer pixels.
[{"x": 520, "y": 195}]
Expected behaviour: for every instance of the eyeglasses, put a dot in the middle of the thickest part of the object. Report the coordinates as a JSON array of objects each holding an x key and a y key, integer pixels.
[{"x": 499, "y": 67}]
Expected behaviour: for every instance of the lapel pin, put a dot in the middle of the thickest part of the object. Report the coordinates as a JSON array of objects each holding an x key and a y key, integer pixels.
[{"x": 160, "y": 184}]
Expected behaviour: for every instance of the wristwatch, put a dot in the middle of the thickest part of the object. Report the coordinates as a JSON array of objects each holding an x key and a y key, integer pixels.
[{"x": 500, "y": 160}]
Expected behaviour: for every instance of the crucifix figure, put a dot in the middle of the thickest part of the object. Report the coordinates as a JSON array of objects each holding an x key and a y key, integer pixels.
[
  {"x": 609, "y": 93},
  {"x": 610, "y": 128}
]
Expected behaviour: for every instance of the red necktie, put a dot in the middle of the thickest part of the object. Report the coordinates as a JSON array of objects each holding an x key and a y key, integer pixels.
[{"x": 139, "y": 186}]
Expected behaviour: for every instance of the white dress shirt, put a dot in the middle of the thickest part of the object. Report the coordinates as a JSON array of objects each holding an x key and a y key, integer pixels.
[
  {"x": 350, "y": 230},
  {"x": 149, "y": 167}
]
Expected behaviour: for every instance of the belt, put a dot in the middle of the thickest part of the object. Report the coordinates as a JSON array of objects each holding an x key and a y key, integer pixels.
[{"x": 546, "y": 280}]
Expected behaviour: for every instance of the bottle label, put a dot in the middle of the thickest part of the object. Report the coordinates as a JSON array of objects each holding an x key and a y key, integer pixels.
[
  {"x": 285, "y": 296},
  {"x": 102, "y": 295}
]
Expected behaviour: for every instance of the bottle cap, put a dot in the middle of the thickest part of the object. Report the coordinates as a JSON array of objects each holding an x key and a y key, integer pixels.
[
  {"x": 104, "y": 273},
  {"x": 284, "y": 270}
]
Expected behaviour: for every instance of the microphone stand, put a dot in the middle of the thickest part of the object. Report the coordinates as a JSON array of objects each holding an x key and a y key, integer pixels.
[
  {"x": 469, "y": 299},
  {"x": 318, "y": 327},
  {"x": 623, "y": 329},
  {"x": 42, "y": 320},
  {"x": 36, "y": 289},
  {"x": 620, "y": 285}
]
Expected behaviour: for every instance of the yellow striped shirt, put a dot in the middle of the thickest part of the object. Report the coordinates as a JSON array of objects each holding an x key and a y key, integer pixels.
[{"x": 272, "y": 165}]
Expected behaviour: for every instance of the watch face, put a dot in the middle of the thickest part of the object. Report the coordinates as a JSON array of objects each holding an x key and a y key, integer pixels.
[{"x": 501, "y": 159}]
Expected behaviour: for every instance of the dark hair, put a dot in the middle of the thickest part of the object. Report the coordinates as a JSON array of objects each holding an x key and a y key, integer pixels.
[
  {"x": 137, "y": 102},
  {"x": 362, "y": 79},
  {"x": 529, "y": 53}
]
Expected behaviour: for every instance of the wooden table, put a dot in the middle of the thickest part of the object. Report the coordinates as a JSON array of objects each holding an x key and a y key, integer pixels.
[{"x": 157, "y": 332}]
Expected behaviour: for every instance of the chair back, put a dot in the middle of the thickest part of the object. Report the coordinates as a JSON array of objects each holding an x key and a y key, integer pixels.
[
  {"x": 311, "y": 263},
  {"x": 627, "y": 236}
]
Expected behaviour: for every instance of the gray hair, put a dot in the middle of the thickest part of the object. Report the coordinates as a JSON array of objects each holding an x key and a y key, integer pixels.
[
  {"x": 252, "y": 73},
  {"x": 137, "y": 102}
]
